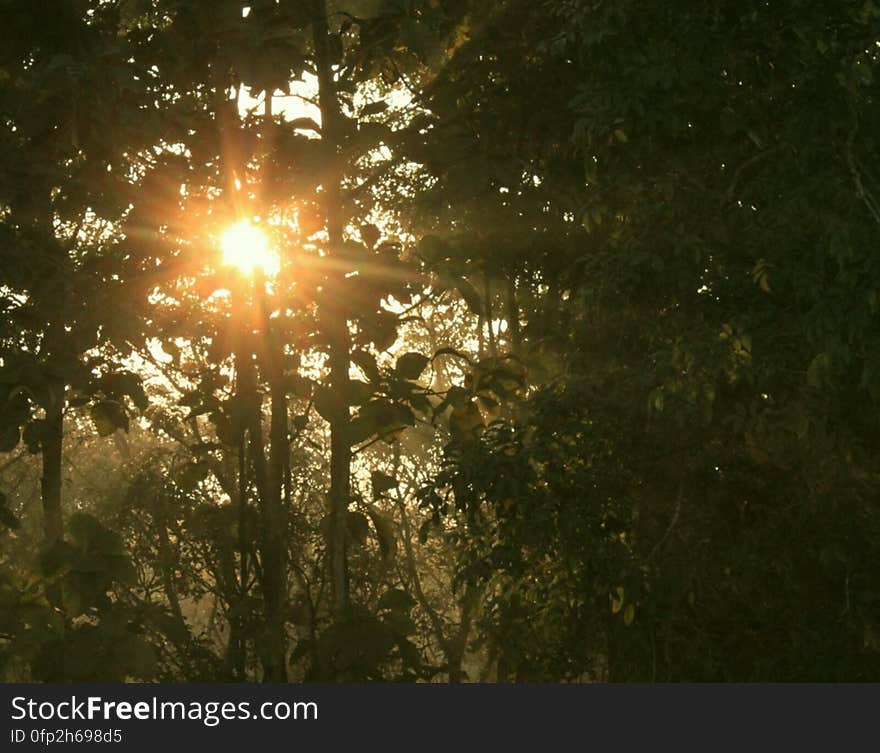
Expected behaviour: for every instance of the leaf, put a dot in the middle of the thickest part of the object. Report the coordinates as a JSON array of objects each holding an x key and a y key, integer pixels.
[
  {"x": 409, "y": 653},
  {"x": 465, "y": 420},
  {"x": 117, "y": 384},
  {"x": 471, "y": 296},
  {"x": 360, "y": 429},
  {"x": 417, "y": 38},
  {"x": 617, "y": 600},
  {"x": 357, "y": 527},
  {"x": 226, "y": 432},
  {"x": 358, "y": 392},
  {"x": 8, "y": 518},
  {"x": 131, "y": 10},
  {"x": 190, "y": 399},
  {"x": 329, "y": 404},
  {"x": 400, "y": 623},
  {"x": 742, "y": 346},
  {"x": 88, "y": 532},
  {"x": 381, "y": 483},
  {"x": 298, "y": 386},
  {"x": 382, "y": 417},
  {"x": 380, "y": 328},
  {"x": 121, "y": 569},
  {"x": 370, "y": 235},
  {"x": 366, "y": 363},
  {"x": 455, "y": 396},
  {"x": 420, "y": 403},
  {"x": 656, "y": 399},
  {"x": 755, "y": 449},
  {"x": 305, "y": 124},
  {"x": 173, "y": 628},
  {"x": 302, "y": 649},
  {"x": 817, "y": 372},
  {"x": 384, "y": 533},
  {"x": 396, "y": 600},
  {"x": 299, "y": 613},
  {"x": 433, "y": 249},
  {"x": 108, "y": 416},
  {"x": 137, "y": 656},
  {"x": 424, "y": 530},
  {"x": 380, "y": 412},
  {"x": 411, "y": 365},
  {"x": 374, "y": 108},
  {"x": 33, "y": 435},
  {"x": 10, "y": 436},
  {"x": 82, "y": 652},
  {"x": 173, "y": 350},
  {"x": 759, "y": 275},
  {"x": 452, "y": 352},
  {"x": 192, "y": 474},
  {"x": 629, "y": 614}
]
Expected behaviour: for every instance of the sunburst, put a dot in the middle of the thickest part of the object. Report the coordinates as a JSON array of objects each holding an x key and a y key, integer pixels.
[{"x": 247, "y": 248}]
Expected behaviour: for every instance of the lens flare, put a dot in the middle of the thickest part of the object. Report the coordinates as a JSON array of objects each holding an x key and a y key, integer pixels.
[{"x": 247, "y": 248}]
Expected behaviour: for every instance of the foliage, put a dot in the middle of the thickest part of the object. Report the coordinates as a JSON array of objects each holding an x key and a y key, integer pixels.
[
  {"x": 705, "y": 435},
  {"x": 569, "y": 370}
]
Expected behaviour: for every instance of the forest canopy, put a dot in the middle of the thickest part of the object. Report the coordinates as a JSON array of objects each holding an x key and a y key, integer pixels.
[{"x": 439, "y": 341}]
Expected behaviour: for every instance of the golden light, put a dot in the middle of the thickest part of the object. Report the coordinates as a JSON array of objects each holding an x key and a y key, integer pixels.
[{"x": 247, "y": 248}]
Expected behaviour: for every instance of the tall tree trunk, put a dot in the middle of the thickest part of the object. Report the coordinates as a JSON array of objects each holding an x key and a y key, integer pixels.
[
  {"x": 334, "y": 321},
  {"x": 52, "y": 434},
  {"x": 513, "y": 327},
  {"x": 487, "y": 302},
  {"x": 266, "y": 476},
  {"x": 453, "y": 646},
  {"x": 468, "y": 606},
  {"x": 273, "y": 532},
  {"x": 273, "y": 581},
  {"x": 50, "y": 478},
  {"x": 236, "y": 652},
  {"x": 273, "y": 538},
  {"x": 245, "y": 389},
  {"x": 236, "y": 657}
]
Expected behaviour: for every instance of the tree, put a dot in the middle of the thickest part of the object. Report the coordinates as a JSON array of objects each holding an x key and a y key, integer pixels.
[
  {"x": 563, "y": 367},
  {"x": 694, "y": 167}
]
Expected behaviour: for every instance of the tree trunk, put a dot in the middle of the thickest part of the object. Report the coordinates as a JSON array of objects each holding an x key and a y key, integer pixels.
[
  {"x": 334, "y": 322},
  {"x": 487, "y": 302},
  {"x": 51, "y": 451},
  {"x": 50, "y": 479},
  {"x": 236, "y": 651},
  {"x": 266, "y": 477},
  {"x": 273, "y": 520},
  {"x": 52, "y": 434},
  {"x": 273, "y": 581},
  {"x": 513, "y": 327}
]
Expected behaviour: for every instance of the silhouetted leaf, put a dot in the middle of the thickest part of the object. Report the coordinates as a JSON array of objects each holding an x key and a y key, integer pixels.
[
  {"x": 381, "y": 483},
  {"x": 108, "y": 416},
  {"x": 10, "y": 435},
  {"x": 8, "y": 518},
  {"x": 396, "y": 600},
  {"x": 357, "y": 527},
  {"x": 411, "y": 365},
  {"x": 384, "y": 533}
]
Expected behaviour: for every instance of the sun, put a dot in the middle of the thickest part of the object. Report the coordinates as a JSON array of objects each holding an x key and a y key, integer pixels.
[{"x": 247, "y": 248}]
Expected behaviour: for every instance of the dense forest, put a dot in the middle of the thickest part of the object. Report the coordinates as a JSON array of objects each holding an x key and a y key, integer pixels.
[{"x": 439, "y": 340}]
